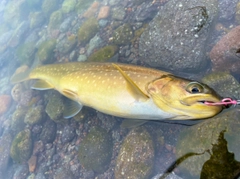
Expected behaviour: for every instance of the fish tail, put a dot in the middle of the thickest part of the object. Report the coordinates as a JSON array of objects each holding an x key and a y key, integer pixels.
[{"x": 19, "y": 77}]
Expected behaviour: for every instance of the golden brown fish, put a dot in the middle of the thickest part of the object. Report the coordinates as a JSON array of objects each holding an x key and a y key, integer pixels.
[{"x": 125, "y": 90}]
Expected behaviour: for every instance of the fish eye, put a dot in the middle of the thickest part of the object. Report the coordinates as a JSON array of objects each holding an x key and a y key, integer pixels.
[{"x": 194, "y": 87}]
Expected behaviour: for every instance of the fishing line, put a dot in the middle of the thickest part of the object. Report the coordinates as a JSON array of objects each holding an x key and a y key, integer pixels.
[{"x": 225, "y": 102}]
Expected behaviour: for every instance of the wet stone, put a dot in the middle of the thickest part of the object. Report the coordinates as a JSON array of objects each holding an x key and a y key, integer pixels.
[
  {"x": 95, "y": 151},
  {"x": 21, "y": 172},
  {"x": 68, "y": 134},
  {"x": 176, "y": 37},
  {"x": 200, "y": 140},
  {"x": 48, "y": 133},
  {"x": 63, "y": 173},
  {"x": 135, "y": 158}
]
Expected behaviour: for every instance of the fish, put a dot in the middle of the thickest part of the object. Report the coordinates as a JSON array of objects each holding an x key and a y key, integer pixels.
[{"x": 123, "y": 90}]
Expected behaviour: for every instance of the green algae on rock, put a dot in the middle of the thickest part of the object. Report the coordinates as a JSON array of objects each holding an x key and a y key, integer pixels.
[
  {"x": 22, "y": 146},
  {"x": 67, "y": 44},
  {"x": 122, "y": 35},
  {"x": 55, "y": 20},
  {"x": 95, "y": 151},
  {"x": 45, "y": 51},
  {"x": 135, "y": 158},
  {"x": 103, "y": 54},
  {"x": 25, "y": 53},
  {"x": 68, "y": 5},
  {"x": 202, "y": 137},
  {"x": 87, "y": 30},
  {"x": 17, "y": 122},
  {"x": 221, "y": 163},
  {"x": 36, "y": 19},
  {"x": 82, "y": 5},
  {"x": 48, "y": 6},
  {"x": 34, "y": 115},
  {"x": 55, "y": 106}
]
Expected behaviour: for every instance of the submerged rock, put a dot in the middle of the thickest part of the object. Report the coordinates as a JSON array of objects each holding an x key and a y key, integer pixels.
[
  {"x": 195, "y": 142},
  {"x": 48, "y": 6},
  {"x": 55, "y": 106},
  {"x": 224, "y": 54},
  {"x": 34, "y": 115},
  {"x": 103, "y": 54},
  {"x": 68, "y": 5},
  {"x": 49, "y": 131},
  {"x": 22, "y": 146},
  {"x": 45, "y": 51},
  {"x": 5, "y": 145},
  {"x": 176, "y": 38},
  {"x": 87, "y": 30},
  {"x": 135, "y": 158},
  {"x": 5, "y": 101},
  {"x": 95, "y": 151},
  {"x": 223, "y": 83},
  {"x": 63, "y": 173},
  {"x": 122, "y": 35}
]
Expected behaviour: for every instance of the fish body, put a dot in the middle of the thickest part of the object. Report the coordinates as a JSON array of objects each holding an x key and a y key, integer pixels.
[{"x": 126, "y": 90}]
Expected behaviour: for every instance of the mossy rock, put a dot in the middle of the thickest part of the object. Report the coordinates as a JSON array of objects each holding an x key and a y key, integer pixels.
[
  {"x": 56, "y": 19},
  {"x": 87, "y": 30},
  {"x": 68, "y": 5},
  {"x": 25, "y": 53},
  {"x": 95, "y": 151},
  {"x": 34, "y": 115},
  {"x": 82, "y": 5},
  {"x": 34, "y": 4},
  {"x": 122, "y": 35},
  {"x": 17, "y": 122},
  {"x": 103, "y": 54},
  {"x": 36, "y": 19},
  {"x": 48, "y": 6},
  {"x": 55, "y": 106},
  {"x": 22, "y": 146},
  {"x": 45, "y": 51},
  {"x": 135, "y": 158}
]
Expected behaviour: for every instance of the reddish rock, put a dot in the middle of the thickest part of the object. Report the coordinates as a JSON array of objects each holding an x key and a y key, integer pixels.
[
  {"x": 91, "y": 10},
  {"x": 5, "y": 101},
  {"x": 225, "y": 55},
  {"x": 32, "y": 162},
  {"x": 104, "y": 12}
]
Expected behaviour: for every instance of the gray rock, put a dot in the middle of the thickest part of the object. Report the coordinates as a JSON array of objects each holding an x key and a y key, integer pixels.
[
  {"x": 63, "y": 173},
  {"x": 118, "y": 13},
  {"x": 227, "y": 9},
  {"x": 21, "y": 172},
  {"x": 199, "y": 141},
  {"x": 175, "y": 39},
  {"x": 95, "y": 151},
  {"x": 135, "y": 158},
  {"x": 48, "y": 133},
  {"x": 66, "y": 25},
  {"x": 94, "y": 43},
  {"x": 68, "y": 134},
  {"x": 5, "y": 143}
]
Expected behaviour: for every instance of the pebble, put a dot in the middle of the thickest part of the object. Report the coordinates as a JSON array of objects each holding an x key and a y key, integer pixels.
[
  {"x": 5, "y": 101},
  {"x": 104, "y": 12}
]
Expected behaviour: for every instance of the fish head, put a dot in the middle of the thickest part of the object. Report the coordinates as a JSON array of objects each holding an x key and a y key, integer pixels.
[{"x": 183, "y": 98}]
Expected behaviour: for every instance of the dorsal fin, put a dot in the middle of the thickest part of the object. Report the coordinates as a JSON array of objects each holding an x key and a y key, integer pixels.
[
  {"x": 133, "y": 88},
  {"x": 42, "y": 85}
]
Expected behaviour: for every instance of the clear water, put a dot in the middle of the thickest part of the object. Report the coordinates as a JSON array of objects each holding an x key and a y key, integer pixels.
[{"x": 37, "y": 142}]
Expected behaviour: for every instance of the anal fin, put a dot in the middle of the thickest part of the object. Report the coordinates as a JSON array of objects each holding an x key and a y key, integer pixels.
[
  {"x": 71, "y": 108},
  {"x": 42, "y": 85}
]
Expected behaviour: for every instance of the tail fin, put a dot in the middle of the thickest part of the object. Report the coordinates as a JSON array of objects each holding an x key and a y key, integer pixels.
[{"x": 19, "y": 77}]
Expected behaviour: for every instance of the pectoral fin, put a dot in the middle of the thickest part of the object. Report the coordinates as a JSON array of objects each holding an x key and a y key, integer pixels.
[
  {"x": 130, "y": 123},
  {"x": 133, "y": 88},
  {"x": 42, "y": 85},
  {"x": 71, "y": 108}
]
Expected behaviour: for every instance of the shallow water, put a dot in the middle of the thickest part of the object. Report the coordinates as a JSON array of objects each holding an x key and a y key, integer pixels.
[{"x": 170, "y": 35}]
